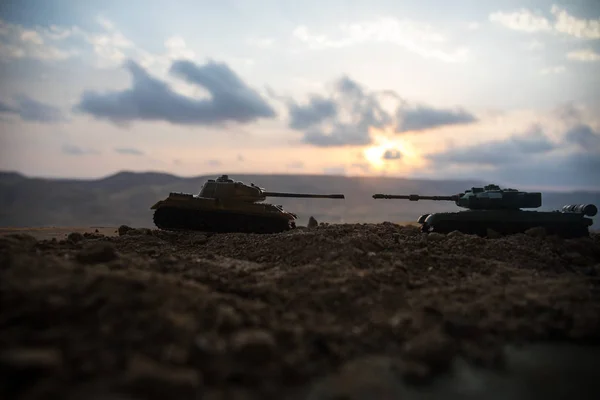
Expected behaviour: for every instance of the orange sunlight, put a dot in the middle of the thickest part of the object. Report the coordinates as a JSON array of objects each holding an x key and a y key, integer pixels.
[{"x": 385, "y": 140}]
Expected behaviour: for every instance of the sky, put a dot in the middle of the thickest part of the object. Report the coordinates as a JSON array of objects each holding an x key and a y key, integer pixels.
[{"x": 505, "y": 91}]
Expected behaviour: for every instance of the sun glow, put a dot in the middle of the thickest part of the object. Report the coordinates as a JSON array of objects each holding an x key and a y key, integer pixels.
[{"x": 388, "y": 141}]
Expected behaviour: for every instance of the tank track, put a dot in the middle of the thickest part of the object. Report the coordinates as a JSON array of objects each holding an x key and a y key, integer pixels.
[
  {"x": 174, "y": 219},
  {"x": 562, "y": 230}
]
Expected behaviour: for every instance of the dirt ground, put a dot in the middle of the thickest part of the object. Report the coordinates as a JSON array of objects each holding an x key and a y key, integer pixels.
[{"x": 357, "y": 311}]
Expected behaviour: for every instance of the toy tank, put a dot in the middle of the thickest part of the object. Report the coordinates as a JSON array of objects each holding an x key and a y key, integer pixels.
[
  {"x": 225, "y": 205},
  {"x": 500, "y": 210}
]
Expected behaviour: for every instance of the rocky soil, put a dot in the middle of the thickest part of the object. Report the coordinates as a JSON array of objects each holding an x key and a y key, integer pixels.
[{"x": 366, "y": 311}]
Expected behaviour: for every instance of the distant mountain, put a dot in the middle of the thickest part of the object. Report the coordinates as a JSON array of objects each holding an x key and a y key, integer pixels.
[{"x": 126, "y": 197}]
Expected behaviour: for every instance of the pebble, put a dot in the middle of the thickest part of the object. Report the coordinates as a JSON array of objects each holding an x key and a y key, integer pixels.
[
  {"x": 97, "y": 253},
  {"x": 254, "y": 345}
]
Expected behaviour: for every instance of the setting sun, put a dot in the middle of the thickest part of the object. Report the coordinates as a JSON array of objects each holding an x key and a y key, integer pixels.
[{"x": 401, "y": 155}]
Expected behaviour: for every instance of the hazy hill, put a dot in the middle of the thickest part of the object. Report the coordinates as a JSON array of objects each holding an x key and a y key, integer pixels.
[{"x": 126, "y": 197}]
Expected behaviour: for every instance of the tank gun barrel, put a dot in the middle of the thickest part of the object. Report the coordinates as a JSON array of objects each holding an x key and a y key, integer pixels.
[
  {"x": 415, "y": 197},
  {"x": 589, "y": 210},
  {"x": 304, "y": 195}
]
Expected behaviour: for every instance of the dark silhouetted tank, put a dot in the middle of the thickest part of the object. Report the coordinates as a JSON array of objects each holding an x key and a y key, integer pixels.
[
  {"x": 225, "y": 205},
  {"x": 499, "y": 209}
]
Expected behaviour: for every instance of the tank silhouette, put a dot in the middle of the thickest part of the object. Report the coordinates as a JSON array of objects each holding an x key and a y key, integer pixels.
[
  {"x": 499, "y": 209},
  {"x": 225, "y": 205}
]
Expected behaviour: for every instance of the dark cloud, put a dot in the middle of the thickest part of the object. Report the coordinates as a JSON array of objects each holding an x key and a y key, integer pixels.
[
  {"x": 529, "y": 159},
  {"x": 499, "y": 152},
  {"x": 74, "y": 150},
  {"x": 345, "y": 117},
  {"x": 316, "y": 111},
  {"x": 150, "y": 99},
  {"x": 32, "y": 110},
  {"x": 5, "y": 108},
  {"x": 392, "y": 155},
  {"x": 585, "y": 137},
  {"x": 342, "y": 119},
  {"x": 129, "y": 151},
  {"x": 423, "y": 117}
]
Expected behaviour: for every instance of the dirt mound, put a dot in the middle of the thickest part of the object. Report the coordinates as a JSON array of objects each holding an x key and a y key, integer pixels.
[{"x": 156, "y": 314}]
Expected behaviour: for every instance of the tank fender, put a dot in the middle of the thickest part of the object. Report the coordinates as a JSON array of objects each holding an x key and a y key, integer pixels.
[
  {"x": 422, "y": 218},
  {"x": 157, "y": 204}
]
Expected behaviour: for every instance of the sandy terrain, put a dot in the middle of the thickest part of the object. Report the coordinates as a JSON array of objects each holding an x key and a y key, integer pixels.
[{"x": 335, "y": 312}]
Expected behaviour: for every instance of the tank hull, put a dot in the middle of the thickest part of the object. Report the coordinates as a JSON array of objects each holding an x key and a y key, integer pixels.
[
  {"x": 181, "y": 211},
  {"x": 477, "y": 222}
]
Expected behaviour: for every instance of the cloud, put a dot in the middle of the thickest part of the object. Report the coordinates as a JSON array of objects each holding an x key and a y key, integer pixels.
[
  {"x": 499, "y": 152},
  {"x": 531, "y": 158},
  {"x": 585, "y": 137},
  {"x": 527, "y": 21},
  {"x": 392, "y": 155},
  {"x": 586, "y": 55},
  {"x": 150, "y": 99},
  {"x": 521, "y": 20},
  {"x": 31, "y": 110},
  {"x": 346, "y": 116},
  {"x": 129, "y": 151},
  {"x": 342, "y": 119},
  {"x": 5, "y": 108},
  {"x": 17, "y": 42},
  {"x": 73, "y": 150},
  {"x": 558, "y": 69},
  {"x": 416, "y": 37},
  {"x": 214, "y": 163},
  {"x": 423, "y": 117},
  {"x": 313, "y": 113},
  {"x": 577, "y": 27}
]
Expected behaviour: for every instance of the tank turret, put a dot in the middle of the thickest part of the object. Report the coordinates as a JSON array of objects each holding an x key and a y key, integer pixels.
[
  {"x": 490, "y": 197},
  {"x": 226, "y": 205},
  {"x": 493, "y": 208},
  {"x": 228, "y": 190}
]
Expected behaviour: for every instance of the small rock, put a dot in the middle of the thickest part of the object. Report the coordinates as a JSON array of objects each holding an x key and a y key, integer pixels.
[
  {"x": 31, "y": 358},
  {"x": 96, "y": 231},
  {"x": 434, "y": 237},
  {"x": 123, "y": 229},
  {"x": 575, "y": 258},
  {"x": 312, "y": 223},
  {"x": 254, "y": 345},
  {"x": 372, "y": 377},
  {"x": 74, "y": 237},
  {"x": 17, "y": 240},
  {"x": 97, "y": 253},
  {"x": 492, "y": 234},
  {"x": 537, "y": 232},
  {"x": 455, "y": 234},
  {"x": 153, "y": 379},
  {"x": 228, "y": 317},
  {"x": 433, "y": 348}
]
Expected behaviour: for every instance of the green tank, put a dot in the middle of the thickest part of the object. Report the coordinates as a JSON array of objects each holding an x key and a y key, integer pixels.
[
  {"x": 225, "y": 205},
  {"x": 491, "y": 207}
]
